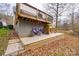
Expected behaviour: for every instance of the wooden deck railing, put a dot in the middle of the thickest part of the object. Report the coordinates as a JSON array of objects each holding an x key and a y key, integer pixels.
[{"x": 29, "y": 11}]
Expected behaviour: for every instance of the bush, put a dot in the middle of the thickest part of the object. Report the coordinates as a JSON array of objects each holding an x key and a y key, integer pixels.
[
  {"x": 10, "y": 26},
  {"x": 1, "y": 25}
]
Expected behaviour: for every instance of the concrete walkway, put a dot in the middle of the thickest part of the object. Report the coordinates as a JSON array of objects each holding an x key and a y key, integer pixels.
[
  {"x": 15, "y": 45},
  {"x": 29, "y": 40}
]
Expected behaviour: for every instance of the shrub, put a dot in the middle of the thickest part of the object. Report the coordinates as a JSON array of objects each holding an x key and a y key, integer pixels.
[
  {"x": 1, "y": 25},
  {"x": 10, "y": 26}
]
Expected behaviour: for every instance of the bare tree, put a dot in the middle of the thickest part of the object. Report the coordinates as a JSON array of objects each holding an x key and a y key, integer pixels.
[
  {"x": 57, "y": 9},
  {"x": 72, "y": 15},
  {"x": 4, "y": 8},
  {"x": 72, "y": 18}
]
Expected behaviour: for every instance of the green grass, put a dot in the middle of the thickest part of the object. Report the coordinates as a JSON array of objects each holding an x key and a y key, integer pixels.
[{"x": 3, "y": 39}]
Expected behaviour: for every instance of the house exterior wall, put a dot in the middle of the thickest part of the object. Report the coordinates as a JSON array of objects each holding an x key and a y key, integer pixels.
[
  {"x": 10, "y": 20},
  {"x": 24, "y": 28}
]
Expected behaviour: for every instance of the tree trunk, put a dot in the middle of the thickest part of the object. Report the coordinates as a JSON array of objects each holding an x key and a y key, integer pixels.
[
  {"x": 73, "y": 19},
  {"x": 57, "y": 16}
]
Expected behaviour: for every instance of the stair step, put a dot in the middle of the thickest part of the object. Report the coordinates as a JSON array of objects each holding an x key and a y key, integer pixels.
[
  {"x": 13, "y": 48},
  {"x": 14, "y": 38},
  {"x": 14, "y": 35},
  {"x": 13, "y": 41}
]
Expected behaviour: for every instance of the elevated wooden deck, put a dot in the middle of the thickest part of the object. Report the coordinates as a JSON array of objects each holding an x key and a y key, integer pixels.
[
  {"x": 25, "y": 10},
  {"x": 33, "y": 18},
  {"x": 34, "y": 15}
]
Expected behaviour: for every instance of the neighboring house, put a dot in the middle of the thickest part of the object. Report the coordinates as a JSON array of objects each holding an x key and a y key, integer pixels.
[
  {"x": 28, "y": 17},
  {"x": 3, "y": 22},
  {"x": 6, "y": 19},
  {"x": 9, "y": 20}
]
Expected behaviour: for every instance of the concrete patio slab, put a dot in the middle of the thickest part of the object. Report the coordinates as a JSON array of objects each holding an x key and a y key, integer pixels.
[{"x": 29, "y": 40}]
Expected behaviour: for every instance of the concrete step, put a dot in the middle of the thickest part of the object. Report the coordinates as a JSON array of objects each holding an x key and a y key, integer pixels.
[
  {"x": 13, "y": 49},
  {"x": 14, "y": 44},
  {"x": 13, "y": 35},
  {"x": 13, "y": 41}
]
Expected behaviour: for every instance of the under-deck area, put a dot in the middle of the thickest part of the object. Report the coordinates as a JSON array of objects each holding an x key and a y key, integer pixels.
[{"x": 28, "y": 17}]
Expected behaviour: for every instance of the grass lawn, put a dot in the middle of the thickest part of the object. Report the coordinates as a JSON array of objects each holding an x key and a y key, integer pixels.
[{"x": 4, "y": 32}]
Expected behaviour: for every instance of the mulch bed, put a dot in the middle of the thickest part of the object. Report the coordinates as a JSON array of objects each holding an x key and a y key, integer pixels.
[{"x": 63, "y": 46}]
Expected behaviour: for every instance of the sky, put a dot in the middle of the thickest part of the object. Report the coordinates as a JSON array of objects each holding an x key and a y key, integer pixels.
[
  {"x": 37, "y": 5},
  {"x": 6, "y": 10}
]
